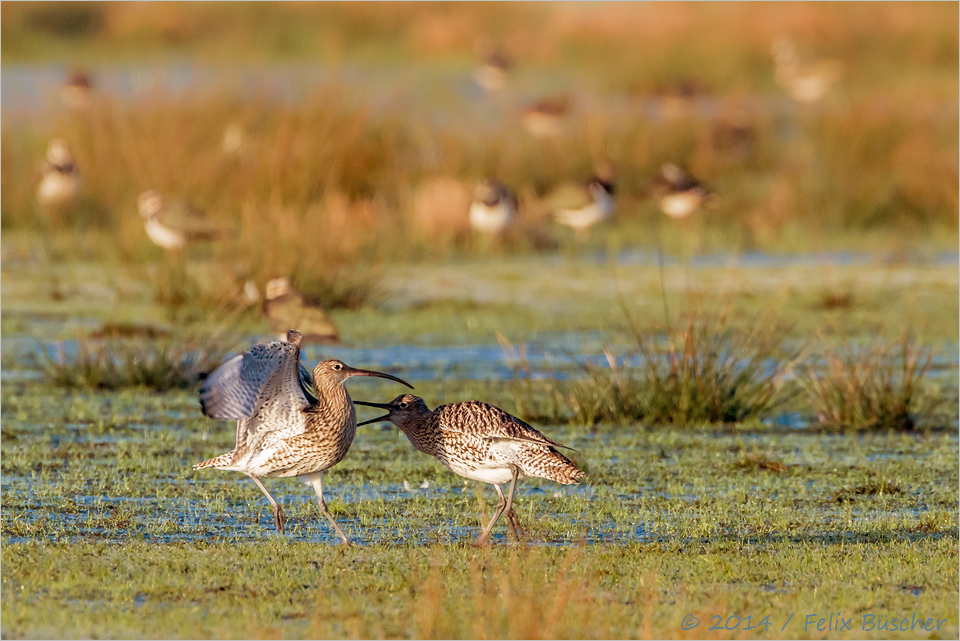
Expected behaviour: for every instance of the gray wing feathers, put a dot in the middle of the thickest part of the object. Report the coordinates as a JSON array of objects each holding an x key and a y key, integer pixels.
[
  {"x": 222, "y": 397},
  {"x": 239, "y": 387}
]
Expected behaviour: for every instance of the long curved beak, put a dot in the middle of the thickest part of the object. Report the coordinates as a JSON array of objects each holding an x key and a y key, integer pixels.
[
  {"x": 383, "y": 406},
  {"x": 375, "y": 420},
  {"x": 352, "y": 371}
]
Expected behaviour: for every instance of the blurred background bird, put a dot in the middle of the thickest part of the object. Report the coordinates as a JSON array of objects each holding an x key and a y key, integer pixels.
[
  {"x": 173, "y": 226},
  {"x": 234, "y": 140},
  {"x": 681, "y": 193},
  {"x": 494, "y": 208},
  {"x": 285, "y": 307},
  {"x": 491, "y": 72},
  {"x": 60, "y": 182},
  {"x": 582, "y": 206},
  {"x": 806, "y": 83},
  {"x": 546, "y": 118},
  {"x": 77, "y": 91}
]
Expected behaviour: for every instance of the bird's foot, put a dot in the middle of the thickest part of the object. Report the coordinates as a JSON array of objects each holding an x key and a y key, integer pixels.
[
  {"x": 514, "y": 522},
  {"x": 481, "y": 542},
  {"x": 278, "y": 519}
]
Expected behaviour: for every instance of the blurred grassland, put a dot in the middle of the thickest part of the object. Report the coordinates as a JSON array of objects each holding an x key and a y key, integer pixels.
[
  {"x": 630, "y": 46},
  {"x": 351, "y": 177},
  {"x": 336, "y": 183}
]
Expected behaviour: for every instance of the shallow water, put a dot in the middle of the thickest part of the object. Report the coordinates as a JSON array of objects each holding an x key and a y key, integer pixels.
[{"x": 550, "y": 355}]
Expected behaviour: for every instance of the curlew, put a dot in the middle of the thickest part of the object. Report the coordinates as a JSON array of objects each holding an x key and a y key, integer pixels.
[
  {"x": 494, "y": 208},
  {"x": 170, "y": 227},
  {"x": 483, "y": 443},
  {"x": 594, "y": 204},
  {"x": 60, "y": 182},
  {"x": 283, "y": 428},
  {"x": 286, "y": 307},
  {"x": 682, "y": 194}
]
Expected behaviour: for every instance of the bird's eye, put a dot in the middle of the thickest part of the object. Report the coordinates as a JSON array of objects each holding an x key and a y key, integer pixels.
[
  {"x": 403, "y": 404},
  {"x": 337, "y": 366}
]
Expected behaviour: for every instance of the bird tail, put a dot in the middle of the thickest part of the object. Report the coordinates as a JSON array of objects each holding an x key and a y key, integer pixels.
[
  {"x": 562, "y": 470},
  {"x": 224, "y": 460}
]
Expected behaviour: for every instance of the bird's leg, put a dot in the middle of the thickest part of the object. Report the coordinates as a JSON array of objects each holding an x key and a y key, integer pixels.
[
  {"x": 318, "y": 486},
  {"x": 277, "y": 512},
  {"x": 512, "y": 519},
  {"x": 501, "y": 506}
]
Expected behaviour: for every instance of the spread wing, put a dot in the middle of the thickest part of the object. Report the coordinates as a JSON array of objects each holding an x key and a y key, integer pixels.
[
  {"x": 480, "y": 420},
  {"x": 267, "y": 374}
]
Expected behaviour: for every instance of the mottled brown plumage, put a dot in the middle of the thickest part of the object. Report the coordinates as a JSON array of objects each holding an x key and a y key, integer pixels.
[
  {"x": 284, "y": 428},
  {"x": 480, "y": 442}
]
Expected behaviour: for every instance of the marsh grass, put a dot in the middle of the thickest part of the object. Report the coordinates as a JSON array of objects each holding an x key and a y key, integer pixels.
[
  {"x": 879, "y": 387},
  {"x": 708, "y": 373},
  {"x": 704, "y": 372},
  {"x": 160, "y": 364}
]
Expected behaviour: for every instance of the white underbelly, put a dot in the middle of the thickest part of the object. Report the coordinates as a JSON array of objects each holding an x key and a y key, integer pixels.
[
  {"x": 490, "y": 219},
  {"x": 56, "y": 189},
  {"x": 497, "y": 475},
  {"x": 679, "y": 205},
  {"x": 164, "y": 236}
]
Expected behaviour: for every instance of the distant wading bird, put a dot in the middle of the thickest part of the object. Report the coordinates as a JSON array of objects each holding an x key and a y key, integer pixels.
[
  {"x": 682, "y": 194},
  {"x": 77, "y": 90},
  {"x": 808, "y": 83},
  {"x": 491, "y": 73},
  {"x": 286, "y": 307},
  {"x": 595, "y": 204},
  {"x": 170, "y": 228},
  {"x": 546, "y": 118},
  {"x": 59, "y": 177},
  {"x": 283, "y": 429},
  {"x": 494, "y": 208},
  {"x": 480, "y": 442}
]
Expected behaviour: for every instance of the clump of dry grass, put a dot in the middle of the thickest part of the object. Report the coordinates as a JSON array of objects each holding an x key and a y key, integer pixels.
[
  {"x": 526, "y": 596},
  {"x": 705, "y": 372},
  {"x": 880, "y": 387},
  {"x": 756, "y": 461},
  {"x": 160, "y": 365},
  {"x": 875, "y": 485}
]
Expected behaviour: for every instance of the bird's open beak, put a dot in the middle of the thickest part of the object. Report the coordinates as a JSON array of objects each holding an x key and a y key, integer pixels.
[
  {"x": 383, "y": 406},
  {"x": 352, "y": 371}
]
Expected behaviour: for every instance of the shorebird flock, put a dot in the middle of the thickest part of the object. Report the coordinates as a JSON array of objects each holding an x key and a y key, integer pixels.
[
  {"x": 292, "y": 424},
  {"x": 494, "y": 208}
]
